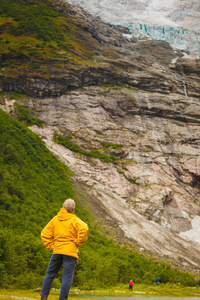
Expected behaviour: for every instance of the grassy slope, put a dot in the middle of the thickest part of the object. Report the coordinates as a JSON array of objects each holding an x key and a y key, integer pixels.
[
  {"x": 33, "y": 184},
  {"x": 33, "y": 34}
]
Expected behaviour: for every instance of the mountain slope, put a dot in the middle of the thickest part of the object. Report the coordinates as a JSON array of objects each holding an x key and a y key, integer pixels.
[
  {"x": 86, "y": 52},
  {"x": 106, "y": 96},
  {"x": 33, "y": 186},
  {"x": 155, "y": 170}
]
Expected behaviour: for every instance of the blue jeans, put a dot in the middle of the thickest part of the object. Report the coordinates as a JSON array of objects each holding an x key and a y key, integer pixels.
[{"x": 55, "y": 263}]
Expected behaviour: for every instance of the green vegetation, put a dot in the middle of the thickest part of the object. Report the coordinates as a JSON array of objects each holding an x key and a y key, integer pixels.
[
  {"x": 24, "y": 116},
  {"x": 36, "y": 17},
  {"x": 119, "y": 87},
  {"x": 17, "y": 96},
  {"x": 33, "y": 186},
  {"x": 34, "y": 30},
  {"x": 167, "y": 289},
  {"x": 66, "y": 141},
  {"x": 113, "y": 146},
  {"x": 173, "y": 290},
  {"x": 133, "y": 181}
]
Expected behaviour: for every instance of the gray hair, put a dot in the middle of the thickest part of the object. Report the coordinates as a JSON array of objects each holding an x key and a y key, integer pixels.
[{"x": 69, "y": 205}]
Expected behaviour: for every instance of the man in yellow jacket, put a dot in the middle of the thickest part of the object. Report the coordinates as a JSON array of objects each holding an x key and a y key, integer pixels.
[{"x": 63, "y": 235}]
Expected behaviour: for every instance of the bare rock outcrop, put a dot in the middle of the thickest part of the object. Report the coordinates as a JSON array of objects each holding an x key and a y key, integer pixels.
[
  {"x": 152, "y": 194},
  {"x": 105, "y": 195}
]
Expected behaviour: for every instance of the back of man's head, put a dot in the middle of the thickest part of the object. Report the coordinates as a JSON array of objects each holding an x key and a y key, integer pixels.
[{"x": 69, "y": 205}]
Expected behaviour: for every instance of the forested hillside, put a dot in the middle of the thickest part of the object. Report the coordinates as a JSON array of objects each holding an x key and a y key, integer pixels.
[{"x": 34, "y": 185}]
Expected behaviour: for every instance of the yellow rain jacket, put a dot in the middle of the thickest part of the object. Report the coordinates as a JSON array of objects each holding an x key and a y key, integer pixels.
[{"x": 64, "y": 233}]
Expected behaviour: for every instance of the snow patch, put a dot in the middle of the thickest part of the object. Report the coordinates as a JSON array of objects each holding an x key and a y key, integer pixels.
[
  {"x": 193, "y": 234},
  {"x": 128, "y": 36}
]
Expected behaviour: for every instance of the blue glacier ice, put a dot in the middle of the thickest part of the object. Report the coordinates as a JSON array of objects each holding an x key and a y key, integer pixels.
[{"x": 177, "y": 37}]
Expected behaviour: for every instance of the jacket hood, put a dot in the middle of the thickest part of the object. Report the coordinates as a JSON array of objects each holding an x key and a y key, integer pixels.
[{"x": 63, "y": 215}]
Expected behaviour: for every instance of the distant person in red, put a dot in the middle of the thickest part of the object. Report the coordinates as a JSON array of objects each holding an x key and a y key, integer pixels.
[{"x": 130, "y": 285}]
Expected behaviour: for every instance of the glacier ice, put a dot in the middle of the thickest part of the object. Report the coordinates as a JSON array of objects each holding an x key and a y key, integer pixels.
[
  {"x": 177, "y": 37},
  {"x": 173, "y": 21}
]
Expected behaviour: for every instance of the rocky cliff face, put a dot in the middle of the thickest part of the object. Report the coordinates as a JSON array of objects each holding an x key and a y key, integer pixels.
[{"x": 139, "y": 102}]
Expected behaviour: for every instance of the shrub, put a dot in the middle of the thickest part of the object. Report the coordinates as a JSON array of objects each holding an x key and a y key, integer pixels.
[
  {"x": 23, "y": 115},
  {"x": 35, "y": 17},
  {"x": 66, "y": 142}
]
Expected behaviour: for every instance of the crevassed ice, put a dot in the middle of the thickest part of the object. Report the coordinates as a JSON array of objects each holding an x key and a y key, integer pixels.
[
  {"x": 176, "y": 37},
  {"x": 173, "y": 21}
]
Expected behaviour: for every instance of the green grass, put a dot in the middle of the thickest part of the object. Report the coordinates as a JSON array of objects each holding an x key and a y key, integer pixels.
[
  {"x": 170, "y": 290},
  {"x": 110, "y": 145},
  {"x": 66, "y": 142},
  {"x": 24, "y": 116},
  {"x": 143, "y": 290},
  {"x": 119, "y": 87},
  {"x": 36, "y": 31}
]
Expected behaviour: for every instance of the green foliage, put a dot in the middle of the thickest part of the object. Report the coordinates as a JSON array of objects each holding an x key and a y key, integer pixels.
[
  {"x": 23, "y": 115},
  {"x": 30, "y": 177},
  {"x": 35, "y": 30},
  {"x": 66, "y": 141},
  {"x": 103, "y": 264},
  {"x": 133, "y": 181},
  {"x": 35, "y": 17},
  {"x": 19, "y": 254},
  {"x": 113, "y": 146},
  {"x": 33, "y": 186}
]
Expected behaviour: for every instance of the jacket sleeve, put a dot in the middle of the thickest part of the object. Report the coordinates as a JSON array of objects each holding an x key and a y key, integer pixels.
[
  {"x": 82, "y": 232},
  {"x": 47, "y": 236}
]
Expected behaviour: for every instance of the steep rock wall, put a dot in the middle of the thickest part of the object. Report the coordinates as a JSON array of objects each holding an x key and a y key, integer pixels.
[
  {"x": 160, "y": 137},
  {"x": 152, "y": 194}
]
